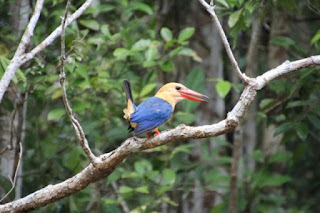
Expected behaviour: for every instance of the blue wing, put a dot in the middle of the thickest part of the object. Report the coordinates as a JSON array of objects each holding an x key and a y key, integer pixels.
[{"x": 150, "y": 114}]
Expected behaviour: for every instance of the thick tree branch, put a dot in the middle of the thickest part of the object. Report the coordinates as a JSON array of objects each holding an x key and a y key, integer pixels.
[
  {"x": 210, "y": 9},
  {"x": 109, "y": 161},
  {"x": 21, "y": 57},
  {"x": 75, "y": 123}
]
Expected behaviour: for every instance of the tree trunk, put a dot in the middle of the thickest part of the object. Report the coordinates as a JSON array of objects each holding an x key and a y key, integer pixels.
[
  {"x": 12, "y": 120},
  {"x": 276, "y": 55},
  {"x": 207, "y": 43}
]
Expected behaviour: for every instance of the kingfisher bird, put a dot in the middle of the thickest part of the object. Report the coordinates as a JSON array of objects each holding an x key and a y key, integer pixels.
[{"x": 153, "y": 112}]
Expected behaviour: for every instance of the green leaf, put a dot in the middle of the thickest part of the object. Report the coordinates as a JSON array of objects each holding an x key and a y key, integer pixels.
[
  {"x": 299, "y": 103},
  {"x": 182, "y": 148},
  {"x": 121, "y": 53},
  {"x": 218, "y": 208},
  {"x": 167, "y": 66},
  {"x": 142, "y": 7},
  {"x": 315, "y": 39},
  {"x": 282, "y": 41},
  {"x": 148, "y": 64},
  {"x": 125, "y": 189},
  {"x": 266, "y": 103},
  {"x": 91, "y": 24},
  {"x": 142, "y": 166},
  {"x": 272, "y": 180},
  {"x": 152, "y": 53},
  {"x": 217, "y": 179},
  {"x": 168, "y": 200},
  {"x": 72, "y": 160},
  {"x": 115, "y": 175},
  {"x": 163, "y": 189},
  {"x": 4, "y": 62},
  {"x": 82, "y": 70},
  {"x": 168, "y": 177},
  {"x": 191, "y": 53},
  {"x": 314, "y": 120},
  {"x": 302, "y": 131},
  {"x": 223, "y": 88},
  {"x": 224, "y": 3},
  {"x": 80, "y": 106},
  {"x": 195, "y": 80},
  {"x": 147, "y": 89},
  {"x": 142, "y": 189},
  {"x": 175, "y": 52},
  {"x": 234, "y": 18},
  {"x": 278, "y": 85},
  {"x": 105, "y": 30},
  {"x": 110, "y": 201},
  {"x": 185, "y": 34},
  {"x": 21, "y": 76},
  {"x": 166, "y": 34},
  {"x": 283, "y": 128},
  {"x": 185, "y": 117},
  {"x": 258, "y": 155},
  {"x": 280, "y": 157},
  {"x": 142, "y": 44},
  {"x": 56, "y": 114},
  {"x": 96, "y": 41}
]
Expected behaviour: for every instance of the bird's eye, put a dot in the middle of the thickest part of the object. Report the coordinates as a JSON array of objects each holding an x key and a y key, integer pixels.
[{"x": 178, "y": 88}]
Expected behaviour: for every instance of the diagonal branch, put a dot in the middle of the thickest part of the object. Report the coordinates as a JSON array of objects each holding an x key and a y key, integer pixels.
[
  {"x": 242, "y": 76},
  {"x": 75, "y": 123},
  {"x": 15, "y": 62},
  {"x": 46, "y": 42},
  {"x": 106, "y": 163},
  {"x": 19, "y": 59},
  {"x": 28, "y": 33}
]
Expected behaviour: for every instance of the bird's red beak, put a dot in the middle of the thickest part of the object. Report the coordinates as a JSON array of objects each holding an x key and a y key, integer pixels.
[{"x": 192, "y": 95}]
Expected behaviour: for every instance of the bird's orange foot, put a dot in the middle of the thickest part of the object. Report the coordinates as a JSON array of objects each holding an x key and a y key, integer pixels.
[
  {"x": 157, "y": 132},
  {"x": 148, "y": 135}
]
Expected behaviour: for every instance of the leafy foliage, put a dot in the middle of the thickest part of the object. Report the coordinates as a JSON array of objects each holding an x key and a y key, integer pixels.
[{"x": 117, "y": 40}]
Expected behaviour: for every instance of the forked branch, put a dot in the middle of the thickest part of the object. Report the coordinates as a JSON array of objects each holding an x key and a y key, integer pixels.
[
  {"x": 210, "y": 9},
  {"x": 21, "y": 57}
]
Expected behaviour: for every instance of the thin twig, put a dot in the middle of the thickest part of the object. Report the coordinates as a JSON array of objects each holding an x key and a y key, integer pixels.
[
  {"x": 123, "y": 203},
  {"x": 75, "y": 123},
  {"x": 13, "y": 182},
  {"x": 242, "y": 76}
]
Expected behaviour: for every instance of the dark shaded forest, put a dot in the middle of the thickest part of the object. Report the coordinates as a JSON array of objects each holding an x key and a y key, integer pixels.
[{"x": 268, "y": 163}]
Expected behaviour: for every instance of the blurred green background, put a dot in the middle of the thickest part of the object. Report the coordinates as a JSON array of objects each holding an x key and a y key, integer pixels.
[{"x": 152, "y": 43}]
